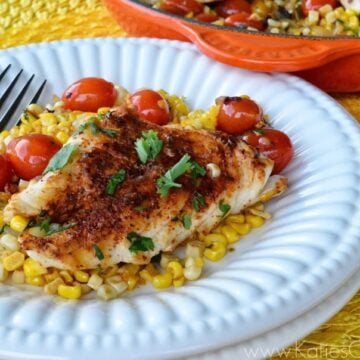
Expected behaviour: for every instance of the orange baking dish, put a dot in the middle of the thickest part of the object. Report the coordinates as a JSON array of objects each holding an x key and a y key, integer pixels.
[{"x": 333, "y": 64}]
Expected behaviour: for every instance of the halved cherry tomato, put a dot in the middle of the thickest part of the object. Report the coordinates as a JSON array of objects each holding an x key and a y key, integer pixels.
[
  {"x": 209, "y": 18},
  {"x": 5, "y": 171},
  {"x": 181, "y": 7},
  {"x": 230, "y": 7},
  {"x": 30, "y": 154},
  {"x": 274, "y": 144},
  {"x": 150, "y": 106},
  {"x": 308, "y": 5},
  {"x": 238, "y": 114},
  {"x": 89, "y": 94},
  {"x": 242, "y": 19}
]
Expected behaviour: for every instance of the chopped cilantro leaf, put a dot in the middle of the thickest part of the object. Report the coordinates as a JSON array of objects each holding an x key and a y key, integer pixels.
[
  {"x": 224, "y": 208},
  {"x": 196, "y": 169},
  {"x": 114, "y": 181},
  {"x": 148, "y": 146},
  {"x": 139, "y": 243},
  {"x": 140, "y": 208},
  {"x": 198, "y": 201},
  {"x": 258, "y": 131},
  {"x": 98, "y": 253},
  {"x": 50, "y": 228},
  {"x": 186, "y": 220},
  {"x": 95, "y": 128},
  {"x": 62, "y": 157}
]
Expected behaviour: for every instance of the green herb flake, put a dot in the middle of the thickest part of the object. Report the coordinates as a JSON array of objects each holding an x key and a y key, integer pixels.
[
  {"x": 50, "y": 228},
  {"x": 62, "y": 157},
  {"x": 224, "y": 208},
  {"x": 114, "y": 181},
  {"x": 139, "y": 243},
  {"x": 149, "y": 146},
  {"x": 95, "y": 128},
  {"x": 196, "y": 170},
  {"x": 167, "y": 181},
  {"x": 258, "y": 131},
  {"x": 198, "y": 201},
  {"x": 186, "y": 220},
  {"x": 140, "y": 208},
  {"x": 98, "y": 253}
]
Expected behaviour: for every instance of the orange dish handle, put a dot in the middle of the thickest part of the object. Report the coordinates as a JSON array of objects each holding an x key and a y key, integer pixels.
[{"x": 261, "y": 52}]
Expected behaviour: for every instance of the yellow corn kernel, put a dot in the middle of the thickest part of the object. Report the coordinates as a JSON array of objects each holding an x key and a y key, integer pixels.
[
  {"x": 4, "y": 134},
  {"x": 103, "y": 110},
  {"x": 162, "y": 281},
  {"x": 132, "y": 269},
  {"x": 194, "y": 248},
  {"x": 216, "y": 252},
  {"x": 175, "y": 269},
  {"x": 1, "y": 218},
  {"x": 166, "y": 258},
  {"x": 69, "y": 292},
  {"x": 35, "y": 109},
  {"x": 132, "y": 282},
  {"x": 85, "y": 289},
  {"x": 241, "y": 229},
  {"x": 179, "y": 282},
  {"x": 23, "y": 184},
  {"x": 192, "y": 272},
  {"x": 212, "y": 238},
  {"x": 14, "y": 261},
  {"x": 95, "y": 281},
  {"x": 81, "y": 276},
  {"x": 52, "y": 287},
  {"x": 117, "y": 283},
  {"x": 51, "y": 276},
  {"x": 18, "y": 277},
  {"x": 239, "y": 218},
  {"x": 62, "y": 136},
  {"x": 18, "y": 223},
  {"x": 48, "y": 119},
  {"x": 59, "y": 105},
  {"x": 35, "y": 281},
  {"x": 25, "y": 129},
  {"x": 66, "y": 276},
  {"x": 9, "y": 242},
  {"x": 32, "y": 268},
  {"x": 149, "y": 272},
  {"x": 106, "y": 292},
  {"x": 254, "y": 221},
  {"x": 111, "y": 271},
  {"x": 261, "y": 213},
  {"x": 3, "y": 273},
  {"x": 230, "y": 234}
]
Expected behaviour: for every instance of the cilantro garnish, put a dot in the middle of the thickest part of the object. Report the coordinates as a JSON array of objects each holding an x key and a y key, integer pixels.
[
  {"x": 114, "y": 181},
  {"x": 139, "y": 243},
  {"x": 50, "y": 228},
  {"x": 186, "y": 220},
  {"x": 95, "y": 128},
  {"x": 140, "y": 208},
  {"x": 62, "y": 157},
  {"x": 196, "y": 169},
  {"x": 224, "y": 208},
  {"x": 198, "y": 201},
  {"x": 98, "y": 253},
  {"x": 167, "y": 181},
  {"x": 258, "y": 131},
  {"x": 148, "y": 146}
]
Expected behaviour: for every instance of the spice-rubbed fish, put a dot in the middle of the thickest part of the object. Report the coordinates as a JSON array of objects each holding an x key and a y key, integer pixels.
[{"x": 122, "y": 190}]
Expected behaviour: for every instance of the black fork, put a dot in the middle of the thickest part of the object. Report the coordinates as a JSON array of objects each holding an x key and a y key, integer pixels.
[{"x": 17, "y": 91}]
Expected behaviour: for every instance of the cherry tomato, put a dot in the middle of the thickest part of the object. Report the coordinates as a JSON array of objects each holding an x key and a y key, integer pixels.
[
  {"x": 150, "y": 106},
  {"x": 238, "y": 114},
  {"x": 209, "y": 18},
  {"x": 182, "y": 7},
  {"x": 274, "y": 144},
  {"x": 30, "y": 154},
  {"x": 308, "y": 5},
  {"x": 242, "y": 19},
  {"x": 230, "y": 7},
  {"x": 5, "y": 171},
  {"x": 89, "y": 94}
]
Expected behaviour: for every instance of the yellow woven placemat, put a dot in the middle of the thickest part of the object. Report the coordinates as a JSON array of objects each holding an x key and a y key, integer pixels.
[{"x": 28, "y": 21}]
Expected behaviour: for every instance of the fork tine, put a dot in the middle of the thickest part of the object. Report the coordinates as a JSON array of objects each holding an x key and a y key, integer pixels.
[
  {"x": 38, "y": 93},
  {"x": 7, "y": 91},
  {"x": 9, "y": 113},
  {"x": 5, "y": 71}
]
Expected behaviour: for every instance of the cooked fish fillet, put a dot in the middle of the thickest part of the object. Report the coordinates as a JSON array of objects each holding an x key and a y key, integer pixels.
[{"x": 76, "y": 193}]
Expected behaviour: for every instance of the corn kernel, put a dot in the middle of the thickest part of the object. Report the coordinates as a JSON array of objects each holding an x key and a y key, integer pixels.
[
  {"x": 4, "y": 134},
  {"x": 81, "y": 276},
  {"x": 3, "y": 273},
  {"x": 241, "y": 229},
  {"x": 52, "y": 287},
  {"x": 179, "y": 282},
  {"x": 175, "y": 269},
  {"x": 117, "y": 283},
  {"x": 18, "y": 223},
  {"x": 69, "y": 292},
  {"x": 216, "y": 252},
  {"x": 162, "y": 281},
  {"x": 1, "y": 218},
  {"x": 14, "y": 261},
  {"x": 132, "y": 269},
  {"x": 194, "y": 261},
  {"x": 230, "y": 234},
  {"x": 239, "y": 218},
  {"x": 194, "y": 248},
  {"x": 18, "y": 277},
  {"x": 35, "y": 109},
  {"x": 51, "y": 276},
  {"x": 32, "y": 268},
  {"x": 111, "y": 271},
  {"x": 132, "y": 282},
  {"x": 192, "y": 272},
  {"x": 85, "y": 289},
  {"x": 103, "y": 110},
  {"x": 48, "y": 119},
  {"x": 149, "y": 272},
  {"x": 212, "y": 238},
  {"x": 95, "y": 281},
  {"x": 35, "y": 281},
  {"x": 254, "y": 221},
  {"x": 166, "y": 258},
  {"x": 9, "y": 242},
  {"x": 62, "y": 136},
  {"x": 106, "y": 292},
  {"x": 66, "y": 276}
]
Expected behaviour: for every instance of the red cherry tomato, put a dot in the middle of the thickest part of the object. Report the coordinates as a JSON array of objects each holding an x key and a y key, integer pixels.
[
  {"x": 30, "y": 154},
  {"x": 274, "y": 144},
  {"x": 308, "y": 5},
  {"x": 209, "y": 18},
  {"x": 5, "y": 171},
  {"x": 238, "y": 114},
  {"x": 150, "y": 106},
  {"x": 242, "y": 19},
  {"x": 230, "y": 7},
  {"x": 182, "y": 7},
  {"x": 89, "y": 94}
]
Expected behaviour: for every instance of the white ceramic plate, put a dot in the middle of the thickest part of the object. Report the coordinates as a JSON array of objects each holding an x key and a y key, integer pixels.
[{"x": 309, "y": 248}]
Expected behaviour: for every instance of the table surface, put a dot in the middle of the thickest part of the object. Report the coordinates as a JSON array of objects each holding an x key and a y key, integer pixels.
[{"x": 23, "y": 22}]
